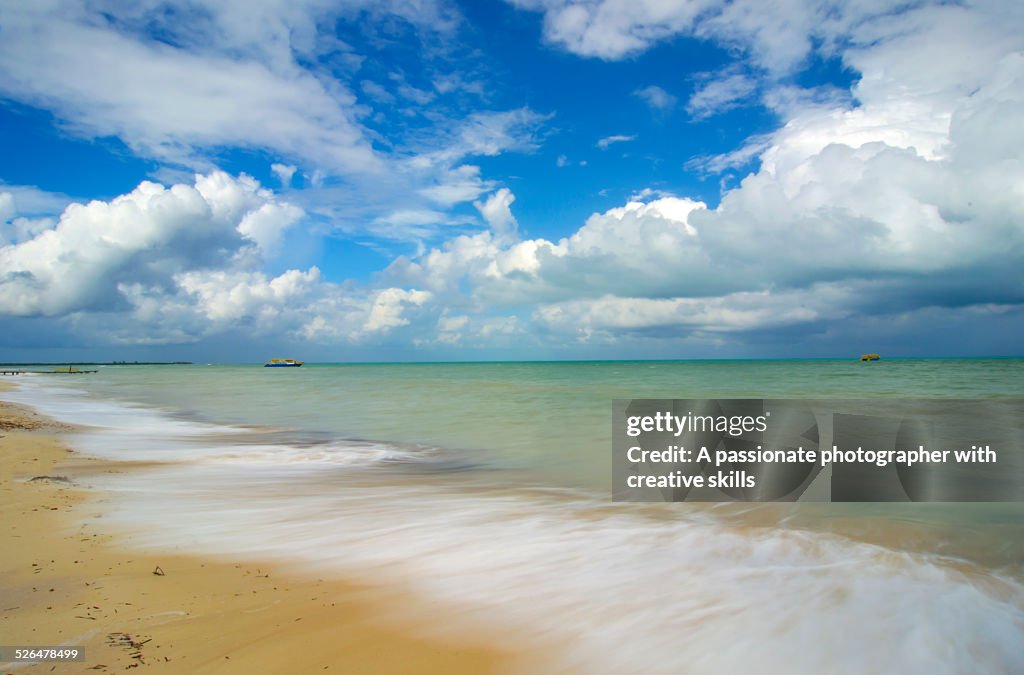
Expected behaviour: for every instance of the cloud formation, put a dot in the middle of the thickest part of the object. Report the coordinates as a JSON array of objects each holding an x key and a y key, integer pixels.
[
  {"x": 613, "y": 29},
  {"x": 149, "y": 234},
  {"x": 777, "y": 37},
  {"x": 721, "y": 92},
  {"x": 898, "y": 202},
  {"x": 181, "y": 81},
  {"x": 906, "y": 199},
  {"x": 656, "y": 98},
  {"x": 607, "y": 141},
  {"x": 165, "y": 100},
  {"x": 175, "y": 264}
]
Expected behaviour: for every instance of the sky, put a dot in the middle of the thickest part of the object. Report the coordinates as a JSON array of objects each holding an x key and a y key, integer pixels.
[{"x": 229, "y": 180}]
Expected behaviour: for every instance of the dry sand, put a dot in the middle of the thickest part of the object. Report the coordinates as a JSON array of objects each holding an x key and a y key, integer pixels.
[{"x": 63, "y": 582}]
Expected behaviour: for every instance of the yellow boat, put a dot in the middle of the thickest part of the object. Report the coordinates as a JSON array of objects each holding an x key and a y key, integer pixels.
[
  {"x": 72, "y": 370},
  {"x": 869, "y": 357},
  {"x": 282, "y": 363}
]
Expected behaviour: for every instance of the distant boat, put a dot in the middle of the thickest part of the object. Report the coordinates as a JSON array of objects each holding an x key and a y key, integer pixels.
[
  {"x": 72, "y": 370},
  {"x": 282, "y": 363},
  {"x": 869, "y": 357}
]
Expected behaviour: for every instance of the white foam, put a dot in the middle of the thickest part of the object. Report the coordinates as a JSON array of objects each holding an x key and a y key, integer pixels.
[
  {"x": 125, "y": 431},
  {"x": 621, "y": 591},
  {"x": 341, "y": 453}
]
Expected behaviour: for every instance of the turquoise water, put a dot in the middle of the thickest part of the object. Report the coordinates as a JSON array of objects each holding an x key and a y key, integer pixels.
[
  {"x": 549, "y": 418},
  {"x": 485, "y": 488},
  {"x": 554, "y": 416}
]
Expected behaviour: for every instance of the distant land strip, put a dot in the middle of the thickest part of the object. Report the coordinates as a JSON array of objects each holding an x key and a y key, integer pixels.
[{"x": 103, "y": 363}]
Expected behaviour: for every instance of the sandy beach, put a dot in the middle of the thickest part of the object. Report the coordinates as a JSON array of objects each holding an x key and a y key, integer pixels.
[
  {"x": 62, "y": 582},
  {"x": 351, "y": 518}
]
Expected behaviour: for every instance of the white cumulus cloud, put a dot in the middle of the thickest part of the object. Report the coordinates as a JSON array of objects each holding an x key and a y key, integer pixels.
[
  {"x": 497, "y": 211},
  {"x": 905, "y": 199},
  {"x": 164, "y": 265},
  {"x": 148, "y": 234}
]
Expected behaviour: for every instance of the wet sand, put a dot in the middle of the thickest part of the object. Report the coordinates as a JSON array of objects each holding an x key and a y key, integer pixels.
[{"x": 64, "y": 582}]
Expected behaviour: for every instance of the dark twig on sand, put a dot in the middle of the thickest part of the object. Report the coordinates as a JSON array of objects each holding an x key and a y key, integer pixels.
[{"x": 52, "y": 479}]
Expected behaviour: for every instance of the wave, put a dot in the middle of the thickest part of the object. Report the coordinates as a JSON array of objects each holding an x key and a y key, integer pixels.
[
  {"x": 125, "y": 431},
  {"x": 615, "y": 589}
]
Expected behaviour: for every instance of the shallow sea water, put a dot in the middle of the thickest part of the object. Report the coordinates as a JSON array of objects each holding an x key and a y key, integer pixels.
[{"x": 485, "y": 488}]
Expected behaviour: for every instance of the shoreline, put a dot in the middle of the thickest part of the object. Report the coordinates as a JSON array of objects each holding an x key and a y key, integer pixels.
[
  {"x": 235, "y": 565},
  {"x": 65, "y": 582}
]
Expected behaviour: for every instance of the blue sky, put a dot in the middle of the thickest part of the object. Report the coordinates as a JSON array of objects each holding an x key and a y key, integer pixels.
[{"x": 520, "y": 179}]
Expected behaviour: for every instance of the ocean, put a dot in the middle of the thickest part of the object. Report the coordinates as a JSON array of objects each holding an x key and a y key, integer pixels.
[{"x": 485, "y": 490}]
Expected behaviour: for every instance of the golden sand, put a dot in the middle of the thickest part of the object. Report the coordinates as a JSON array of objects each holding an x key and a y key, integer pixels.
[{"x": 63, "y": 582}]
